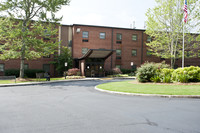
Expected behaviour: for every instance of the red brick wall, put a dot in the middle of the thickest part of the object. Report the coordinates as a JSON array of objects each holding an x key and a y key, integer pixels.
[{"x": 94, "y": 42}]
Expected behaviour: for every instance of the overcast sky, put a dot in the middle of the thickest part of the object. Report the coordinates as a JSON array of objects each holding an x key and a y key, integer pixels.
[{"x": 116, "y": 13}]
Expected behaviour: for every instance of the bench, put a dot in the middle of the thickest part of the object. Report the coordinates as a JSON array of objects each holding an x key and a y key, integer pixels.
[
  {"x": 8, "y": 78},
  {"x": 43, "y": 75}
]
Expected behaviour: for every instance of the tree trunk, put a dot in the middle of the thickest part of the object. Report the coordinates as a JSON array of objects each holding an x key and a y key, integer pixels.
[
  {"x": 21, "y": 68},
  {"x": 22, "y": 51}
]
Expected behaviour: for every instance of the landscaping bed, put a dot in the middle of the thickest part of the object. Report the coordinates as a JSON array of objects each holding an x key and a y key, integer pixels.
[{"x": 153, "y": 88}]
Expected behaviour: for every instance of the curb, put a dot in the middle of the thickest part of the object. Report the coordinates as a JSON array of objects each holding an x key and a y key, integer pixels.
[
  {"x": 148, "y": 95},
  {"x": 45, "y": 82}
]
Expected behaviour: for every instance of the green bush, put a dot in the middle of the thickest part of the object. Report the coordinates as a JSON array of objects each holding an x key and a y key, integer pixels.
[
  {"x": 12, "y": 72},
  {"x": 166, "y": 75},
  {"x": 127, "y": 71},
  {"x": 156, "y": 79},
  {"x": 187, "y": 74},
  {"x": 30, "y": 73},
  {"x": 147, "y": 71}
]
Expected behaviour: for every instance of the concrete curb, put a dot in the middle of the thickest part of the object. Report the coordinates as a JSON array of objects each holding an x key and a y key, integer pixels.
[
  {"x": 46, "y": 82},
  {"x": 148, "y": 95}
]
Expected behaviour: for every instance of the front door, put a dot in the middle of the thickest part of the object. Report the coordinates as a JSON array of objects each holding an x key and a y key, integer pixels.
[{"x": 94, "y": 68}]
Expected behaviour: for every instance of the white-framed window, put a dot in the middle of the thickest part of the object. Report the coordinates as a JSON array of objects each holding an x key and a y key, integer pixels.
[
  {"x": 102, "y": 35},
  {"x": 134, "y": 52},
  {"x": 84, "y": 50},
  {"x": 119, "y": 36},
  {"x": 2, "y": 67},
  {"x": 118, "y": 52},
  {"x": 85, "y": 34},
  {"x": 134, "y": 37},
  {"x": 149, "y": 39}
]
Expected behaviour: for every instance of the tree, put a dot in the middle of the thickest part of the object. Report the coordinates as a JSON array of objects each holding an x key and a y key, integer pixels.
[
  {"x": 165, "y": 27},
  {"x": 60, "y": 60},
  {"x": 24, "y": 38}
]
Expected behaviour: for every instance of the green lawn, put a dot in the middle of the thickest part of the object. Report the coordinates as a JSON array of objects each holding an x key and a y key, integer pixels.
[
  {"x": 164, "y": 89},
  {"x": 28, "y": 80}
]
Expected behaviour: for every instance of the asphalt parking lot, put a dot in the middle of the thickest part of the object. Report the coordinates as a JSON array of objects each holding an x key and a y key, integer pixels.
[{"x": 75, "y": 107}]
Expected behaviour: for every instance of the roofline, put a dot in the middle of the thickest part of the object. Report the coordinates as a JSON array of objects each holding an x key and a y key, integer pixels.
[{"x": 106, "y": 27}]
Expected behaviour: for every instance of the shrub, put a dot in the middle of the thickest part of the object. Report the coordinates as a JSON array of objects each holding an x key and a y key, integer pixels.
[
  {"x": 127, "y": 71},
  {"x": 12, "y": 72},
  {"x": 116, "y": 71},
  {"x": 73, "y": 72},
  {"x": 166, "y": 75},
  {"x": 148, "y": 71},
  {"x": 186, "y": 74},
  {"x": 156, "y": 79},
  {"x": 30, "y": 73}
]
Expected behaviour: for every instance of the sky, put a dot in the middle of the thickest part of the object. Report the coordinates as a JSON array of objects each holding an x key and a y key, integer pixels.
[{"x": 114, "y": 13}]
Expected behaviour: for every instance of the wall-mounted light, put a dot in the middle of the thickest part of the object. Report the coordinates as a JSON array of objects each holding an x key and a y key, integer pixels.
[
  {"x": 132, "y": 63},
  {"x": 78, "y": 30}
]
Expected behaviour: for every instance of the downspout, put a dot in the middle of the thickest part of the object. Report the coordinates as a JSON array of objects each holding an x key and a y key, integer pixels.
[
  {"x": 142, "y": 48},
  {"x": 111, "y": 48}
]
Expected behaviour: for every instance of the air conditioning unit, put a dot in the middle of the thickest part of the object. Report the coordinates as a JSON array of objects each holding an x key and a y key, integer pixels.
[{"x": 78, "y": 30}]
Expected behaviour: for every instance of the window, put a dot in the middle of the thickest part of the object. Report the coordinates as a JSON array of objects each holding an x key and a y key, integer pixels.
[
  {"x": 119, "y": 36},
  {"x": 134, "y": 37},
  {"x": 148, "y": 39},
  {"x": 149, "y": 53},
  {"x": 118, "y": 66},
  {"x": 102, "y": 35},
  {"x": 47, "y": 34},
  {"x": 1, "y": 67},
  {"x": 134, "y": 52},
  {"x": 85, "y": 34},
  {"x": 118, "y": 52},
  {"x": 84, "y": 50},
  {"x": 46, "y": 67},
  {"x": 26, "y": 66}
]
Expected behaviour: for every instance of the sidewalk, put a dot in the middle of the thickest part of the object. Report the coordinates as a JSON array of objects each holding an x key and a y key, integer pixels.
[{"x": 46, "y": 82}]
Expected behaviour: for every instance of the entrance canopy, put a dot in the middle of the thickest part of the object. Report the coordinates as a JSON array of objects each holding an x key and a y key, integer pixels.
[{"x": 97, "y": 53}]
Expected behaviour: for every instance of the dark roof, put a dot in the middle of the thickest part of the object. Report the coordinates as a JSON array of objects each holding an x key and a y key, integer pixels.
[
  {"x": 97, "y": 53},
  {"x": 104, "y": 27}
]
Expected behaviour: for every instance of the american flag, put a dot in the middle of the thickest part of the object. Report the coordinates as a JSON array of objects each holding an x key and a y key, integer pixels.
[{"x": 185, "y": 12}]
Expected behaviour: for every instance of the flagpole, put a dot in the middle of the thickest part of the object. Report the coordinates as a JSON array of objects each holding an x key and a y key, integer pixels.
[
  {"x": 184, "y": 20},
  {"x": 183, "y": 47}
]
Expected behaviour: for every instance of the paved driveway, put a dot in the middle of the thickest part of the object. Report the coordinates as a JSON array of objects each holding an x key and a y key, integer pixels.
[{"x": 75, "y": 107}]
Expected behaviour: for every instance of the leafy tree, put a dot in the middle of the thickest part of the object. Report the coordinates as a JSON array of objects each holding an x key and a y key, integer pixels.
[
  {"x": 165, "y": 27},
  {"x": 60, "y": 60},
  {"x": 24, "y": 38}
]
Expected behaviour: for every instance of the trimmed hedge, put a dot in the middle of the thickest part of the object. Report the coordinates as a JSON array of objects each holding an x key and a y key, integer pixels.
[{"x": 30, "y": 73}]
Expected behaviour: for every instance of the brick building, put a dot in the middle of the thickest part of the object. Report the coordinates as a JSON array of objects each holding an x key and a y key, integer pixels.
[
  {"x": 127, "y": 48},
  {"x": 99, "y": 48}
]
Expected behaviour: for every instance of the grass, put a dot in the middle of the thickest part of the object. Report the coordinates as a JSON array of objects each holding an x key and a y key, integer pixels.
[
  {"x": 28, "y": 80},
  {"x": 38, "y": 80},
  {"x": 130, "y": 87}
]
